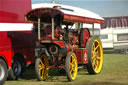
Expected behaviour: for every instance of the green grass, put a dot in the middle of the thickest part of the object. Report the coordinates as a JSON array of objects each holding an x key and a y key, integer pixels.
[{"x": 114, "y": 72}]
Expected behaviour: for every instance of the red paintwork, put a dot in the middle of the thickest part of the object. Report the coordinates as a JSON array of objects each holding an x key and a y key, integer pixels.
[
  {"x": 86, "y": 35},
  {"x": 13, "y": 11},
  {"x": 13, "y": 42},
  {"x": 17, "y": 42},
  {"x": 80, "y": 54},
  {"x": 82, "y": 19},
  {"x": 69, "y": 47},
  {"x": 60, "y": 43}
]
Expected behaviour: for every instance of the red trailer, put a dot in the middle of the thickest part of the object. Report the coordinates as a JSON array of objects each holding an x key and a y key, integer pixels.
[{"x": 16, "y": 38}]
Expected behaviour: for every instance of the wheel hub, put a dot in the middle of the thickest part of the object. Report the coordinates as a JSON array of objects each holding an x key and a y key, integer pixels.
[{"x": 95, "y": 54}]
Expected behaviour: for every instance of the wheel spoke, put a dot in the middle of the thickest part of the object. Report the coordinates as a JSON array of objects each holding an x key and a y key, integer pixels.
[
  {"x": 73, "y": 69},
  {"x": 95, "y": 67},
  {"x": 96, "y": 47},
  {"x": 97, "y": 63},
  {"x": 98, "y": 58},
  {"x": 93, "y": 52},
  {"x": 72, "y": 58},
  {"x": 40, "y": 67},
  {"x": 71, "y": 66},
  {"x": 73, "y": 61},
  {"x": 71, "y": 73},
  {"x": 42, "y": 73},
  {"x": 97, "y": 51},
  {"x": 93, "y": 57},
  {"x": 41, "y": 62},
  {"x": 93, "y": 62}
]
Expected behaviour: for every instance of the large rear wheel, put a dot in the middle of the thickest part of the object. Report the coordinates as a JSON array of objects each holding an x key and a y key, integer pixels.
[
  {"x": 71, "y": 66},
  {"x": 41, "y": 67},
  {"x": 3, "y": 71},
  {"x": 95, "y": 55}
]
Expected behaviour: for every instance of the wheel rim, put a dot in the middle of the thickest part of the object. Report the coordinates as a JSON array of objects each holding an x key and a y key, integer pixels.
[
  {"x": 16, "y": 66},
  {"x": 97, "y": 56},
  {"x": 2, "y": 72},
  {"x": 73, "y": 66},
  {"x": 43, "y": 67}
]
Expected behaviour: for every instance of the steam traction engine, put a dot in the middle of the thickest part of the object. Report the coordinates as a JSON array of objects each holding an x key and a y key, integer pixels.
[{"x": 64, "y": 48}]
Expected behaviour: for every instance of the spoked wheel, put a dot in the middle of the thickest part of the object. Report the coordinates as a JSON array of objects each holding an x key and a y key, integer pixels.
[
  {"x": 95, "y": 55},
  {"x": 41, "y": 67},
  {"x": 3, "y": 71},
  {"x": 71, "y": 66}
]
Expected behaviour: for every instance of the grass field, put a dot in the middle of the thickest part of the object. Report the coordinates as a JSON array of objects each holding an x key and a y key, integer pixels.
[{"x": 114, "y": 72}]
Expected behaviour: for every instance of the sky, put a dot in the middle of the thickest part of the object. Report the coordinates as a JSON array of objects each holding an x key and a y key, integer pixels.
[{"x": 105, "y": 8}]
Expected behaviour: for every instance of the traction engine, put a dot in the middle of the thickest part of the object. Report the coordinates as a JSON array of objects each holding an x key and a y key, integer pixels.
[{"x": 62, "y": 47}]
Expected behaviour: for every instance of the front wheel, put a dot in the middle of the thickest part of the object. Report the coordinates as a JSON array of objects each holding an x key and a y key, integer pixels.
[
  {"x": 95, "y": 55},
  {"x": 71, "y": 66},
  {"x": 3, "y": 71},
  {"x": 41, "y": 67}
]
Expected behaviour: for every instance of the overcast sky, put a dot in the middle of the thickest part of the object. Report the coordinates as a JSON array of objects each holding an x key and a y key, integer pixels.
[{"x": 105, "y": 8}]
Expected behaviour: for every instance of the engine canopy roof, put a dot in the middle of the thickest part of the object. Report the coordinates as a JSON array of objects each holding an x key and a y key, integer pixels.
[{"x": 67, "y": 13}]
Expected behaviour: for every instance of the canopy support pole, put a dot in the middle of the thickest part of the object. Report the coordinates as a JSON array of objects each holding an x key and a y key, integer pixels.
[
  {"x": 78, "y": 28},
  {"x": 93, "y": 30},
  {"x": 38, "y": 28},
  {"x": 52, "y": 28}
]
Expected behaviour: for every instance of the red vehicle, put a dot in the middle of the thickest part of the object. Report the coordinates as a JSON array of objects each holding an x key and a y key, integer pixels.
[
  {"x": 62, "y": 47},
  {"x": 16, "y": 38}
]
